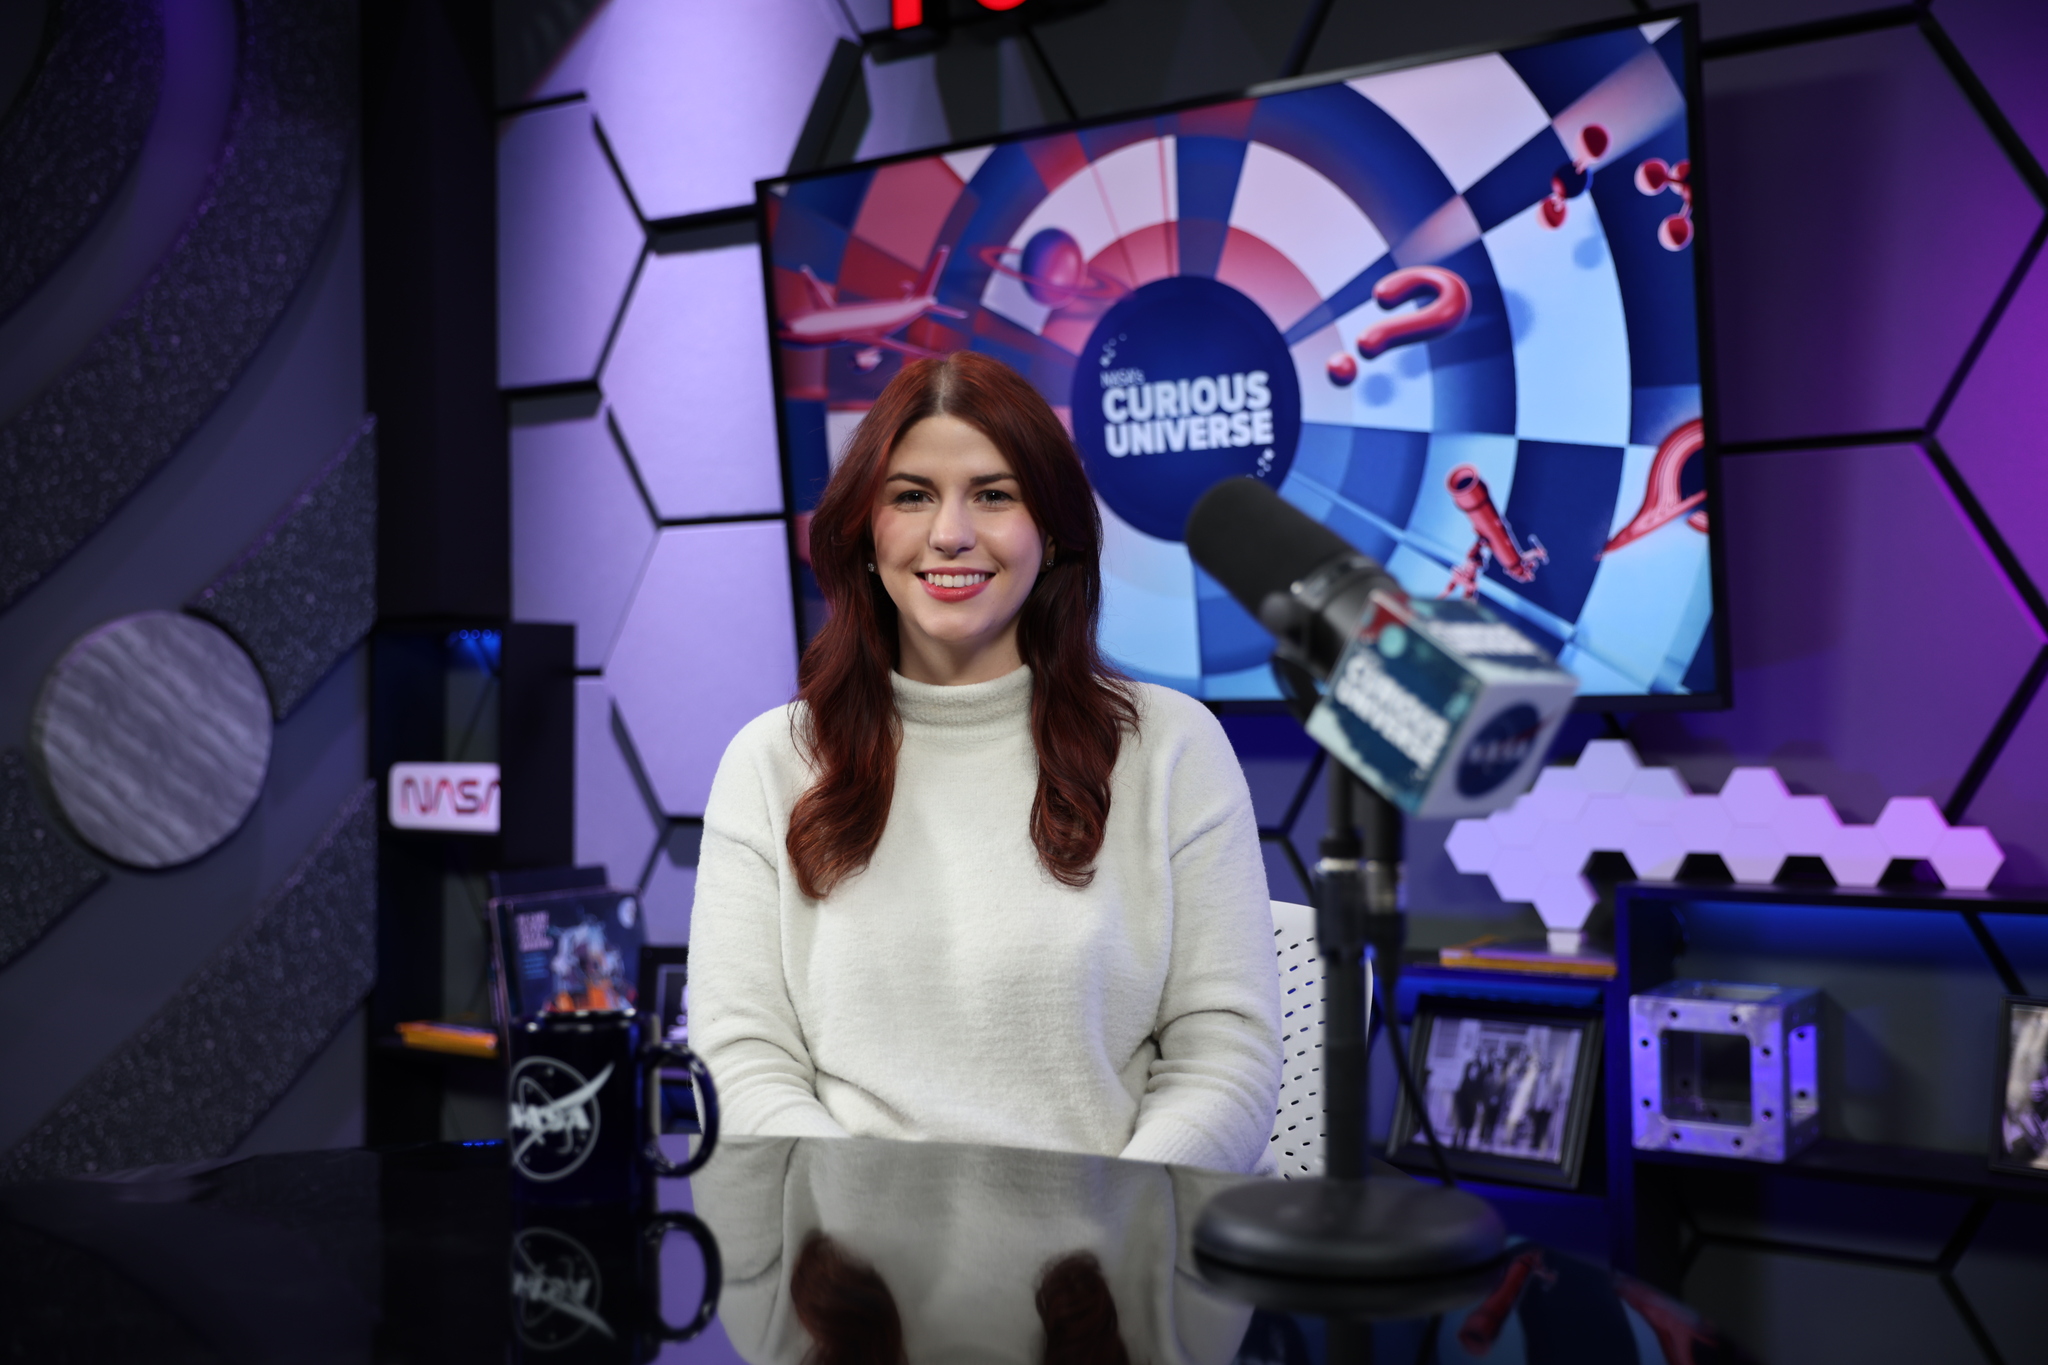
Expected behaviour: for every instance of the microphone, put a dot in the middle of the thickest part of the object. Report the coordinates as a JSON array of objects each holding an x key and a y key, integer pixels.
[{"x": 1439, "y": 705}]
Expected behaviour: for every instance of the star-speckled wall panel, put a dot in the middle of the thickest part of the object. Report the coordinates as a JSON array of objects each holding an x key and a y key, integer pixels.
[
  {"x": 1863, "y": 139},
  {"x": 89, "y": 440},
  {"x": 689, "y": 383},
  {"x": 567, "y": 245},
  {"x": 305, "y": 592},
  {"x": 191, "y": 1082},
  {"x": 42, "y": 872},
  {"x": 708, "y": 645},
  {"x": 73, "y": 135},
  {"x": 580, "y": 531}
]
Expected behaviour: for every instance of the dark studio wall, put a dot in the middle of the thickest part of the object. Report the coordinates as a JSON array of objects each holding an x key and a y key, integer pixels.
[{"x": 183, "y": 431}]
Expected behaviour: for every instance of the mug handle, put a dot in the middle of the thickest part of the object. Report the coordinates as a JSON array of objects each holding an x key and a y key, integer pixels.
[
  {"x": 656, "y": 1232},
  {"x": 651, "y": 1059}
]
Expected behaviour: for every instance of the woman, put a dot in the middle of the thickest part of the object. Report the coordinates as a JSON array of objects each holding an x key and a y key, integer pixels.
[{"x": 974, "y": 886}]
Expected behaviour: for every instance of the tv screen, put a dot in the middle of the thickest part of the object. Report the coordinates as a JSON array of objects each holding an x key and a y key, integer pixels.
[{"x": 1449, "y": 309}]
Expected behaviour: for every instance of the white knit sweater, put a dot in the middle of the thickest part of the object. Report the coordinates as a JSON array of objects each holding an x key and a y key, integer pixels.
[{"x": 954, "y": 991}]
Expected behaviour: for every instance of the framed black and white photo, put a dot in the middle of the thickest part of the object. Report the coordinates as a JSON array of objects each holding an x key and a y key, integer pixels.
[
  {"x": 664, "y": 972},
  {"x": 1509, "y": 1091},
  {"x": 2019, "y": 1139}
]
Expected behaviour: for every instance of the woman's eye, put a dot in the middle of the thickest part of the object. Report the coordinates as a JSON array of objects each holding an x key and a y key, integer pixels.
[
  {"x": 908, "y": 496},
  {"x": 995, "y": 495}
]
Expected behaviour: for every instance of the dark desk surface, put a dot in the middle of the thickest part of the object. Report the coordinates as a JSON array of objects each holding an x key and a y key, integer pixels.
[{"x": 418, "y": 1254}]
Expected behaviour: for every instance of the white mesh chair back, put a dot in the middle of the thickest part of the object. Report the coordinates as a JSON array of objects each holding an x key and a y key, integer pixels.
[{"x": 1297, "y": 1140}]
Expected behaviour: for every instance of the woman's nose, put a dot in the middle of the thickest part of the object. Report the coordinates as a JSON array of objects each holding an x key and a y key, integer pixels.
[{"x": 952, "y": 528}]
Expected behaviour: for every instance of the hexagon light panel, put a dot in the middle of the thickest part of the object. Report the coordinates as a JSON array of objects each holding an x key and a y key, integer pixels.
[
  {"x": 709, "y": 643},
  {"x": 1536, "y": 849},
  {"x": 701, "y": 98},
  {"x": 567, "y": 243},
  {"x": 688, "y": 379},
  {"x": 580, "y": 532}
]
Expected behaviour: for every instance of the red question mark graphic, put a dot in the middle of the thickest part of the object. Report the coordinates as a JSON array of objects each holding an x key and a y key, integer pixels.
[
  {"x": 1443, "y": 313},
  {"x": 1662, "y": 498}
]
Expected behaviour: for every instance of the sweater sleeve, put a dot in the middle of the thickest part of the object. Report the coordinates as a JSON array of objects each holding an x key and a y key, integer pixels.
[
  {"x": 1209, "y": 1098},
  {"x": 742, "y": 1022}
]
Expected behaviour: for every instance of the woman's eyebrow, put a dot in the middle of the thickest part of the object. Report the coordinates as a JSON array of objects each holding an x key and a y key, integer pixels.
[{"x": 978, "y": 481}]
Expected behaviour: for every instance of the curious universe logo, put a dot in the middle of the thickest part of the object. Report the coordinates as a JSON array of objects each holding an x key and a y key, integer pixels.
[
  {"x": 552, "y": 1117},
  {"x": 1183, "y": 384}
]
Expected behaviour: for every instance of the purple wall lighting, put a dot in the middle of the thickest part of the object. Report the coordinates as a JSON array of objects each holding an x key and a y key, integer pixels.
[
  {"x": 689, "y": 383},
  {"x": 567, "y": 244},
  {"x": 1855, "y": 597},
  {"x": 701, "y": 98},
  {"x": 1834, "y": 166},
  {"x": 580, "y": 531},
  {"x": 708, "y": 645},
  {"x": 614, "y": 826},
  {"x": 1997, "y": 431}
]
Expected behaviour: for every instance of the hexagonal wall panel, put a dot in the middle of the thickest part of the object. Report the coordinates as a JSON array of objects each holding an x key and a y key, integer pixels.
[
  {"x": 613, "y": 825},
  {"x": 688, "y": 380},
  {"x": 1843, "y": 174},
  {"x": 2013, "y": 802},
  {"x": 567, "y": 244},
  {"x": 2003, "y": 41},
  {"x": 580, "y": 531},
  {"x": 905, "y": 110},
  {"x": 700, "y": 99},
  {"x": 671, "y": 886},
  {"x": 1994, "y": 430},
  {"x": 1855, "y": 592},
  {"x": 707, "y": 646}
]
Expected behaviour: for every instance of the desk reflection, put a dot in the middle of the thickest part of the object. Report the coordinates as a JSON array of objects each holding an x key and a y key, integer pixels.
[{"x": 960, "y": 1253}]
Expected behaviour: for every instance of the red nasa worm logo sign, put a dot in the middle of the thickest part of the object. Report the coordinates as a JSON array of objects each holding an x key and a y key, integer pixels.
[{"x": 454, "y": 798}]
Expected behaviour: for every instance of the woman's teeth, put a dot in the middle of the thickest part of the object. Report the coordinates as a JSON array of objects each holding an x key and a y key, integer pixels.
[{"x": 955, "y": 580}]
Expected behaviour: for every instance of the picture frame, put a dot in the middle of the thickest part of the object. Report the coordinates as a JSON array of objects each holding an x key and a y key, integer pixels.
[
  {"x": 664, "y": 973},
  {"x": 2019, "y": 1121},
  {"x": 1510, "y": 1090},
  {"x": 556, "y": 951}
]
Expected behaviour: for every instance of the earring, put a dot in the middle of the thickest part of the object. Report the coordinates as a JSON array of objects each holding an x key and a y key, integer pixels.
[
  {"x": 871, "y": 567},
  {"x": 1050, "y": 551}
]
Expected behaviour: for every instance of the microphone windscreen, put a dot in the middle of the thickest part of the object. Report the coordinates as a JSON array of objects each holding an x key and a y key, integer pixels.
[{"x": 1254, "y": 542}]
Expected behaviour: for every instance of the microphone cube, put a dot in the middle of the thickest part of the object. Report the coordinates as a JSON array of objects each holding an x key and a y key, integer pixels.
[{"x": 1444, "y": 708}]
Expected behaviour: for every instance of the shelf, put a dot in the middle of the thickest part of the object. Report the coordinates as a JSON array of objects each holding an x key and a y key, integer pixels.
[
  {"x": 1841, "y": 1159},
  {"x": 2029, "y": 901}
]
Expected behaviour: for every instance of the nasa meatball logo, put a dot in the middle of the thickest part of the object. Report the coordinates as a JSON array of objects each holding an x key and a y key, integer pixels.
[
  {"x": 1499, "y": 748},
  {"x": 552, "y": 1117},
  {"x": 557, "y": 1290},
  {"x": 1183, "y": 384}
]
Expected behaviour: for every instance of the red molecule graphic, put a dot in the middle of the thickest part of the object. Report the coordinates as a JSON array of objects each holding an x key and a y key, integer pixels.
[
  {"x": 1571, "y": 179},
  {"x": 1343, "y": 369},
  {"x": 1655, "y": 177}
]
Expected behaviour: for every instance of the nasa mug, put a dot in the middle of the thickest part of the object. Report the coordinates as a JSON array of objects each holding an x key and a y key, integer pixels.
[
  {"x": 583, "y": 1110},
  {"x": 586, "y": 1283}
]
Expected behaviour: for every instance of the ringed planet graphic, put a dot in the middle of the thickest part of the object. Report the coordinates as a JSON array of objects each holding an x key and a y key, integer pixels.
[{"x": 1052, "y": 269}]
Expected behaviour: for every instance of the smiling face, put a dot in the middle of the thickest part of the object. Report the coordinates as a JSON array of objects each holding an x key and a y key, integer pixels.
[{"x": 957, "y": 552}]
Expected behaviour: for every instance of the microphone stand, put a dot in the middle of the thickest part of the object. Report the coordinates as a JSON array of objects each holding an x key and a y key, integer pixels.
[{"x": 1353, "y": 1224}]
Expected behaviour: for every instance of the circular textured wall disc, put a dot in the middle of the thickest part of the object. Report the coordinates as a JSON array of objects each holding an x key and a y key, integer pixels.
[{"x": 153, "y": 734}]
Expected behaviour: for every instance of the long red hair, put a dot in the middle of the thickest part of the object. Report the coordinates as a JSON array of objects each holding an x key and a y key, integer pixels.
[{"x": 1080, "y": 706}]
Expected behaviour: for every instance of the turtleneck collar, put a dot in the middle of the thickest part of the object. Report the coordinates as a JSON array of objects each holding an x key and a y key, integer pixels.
[{"x": 970, "y": 710}]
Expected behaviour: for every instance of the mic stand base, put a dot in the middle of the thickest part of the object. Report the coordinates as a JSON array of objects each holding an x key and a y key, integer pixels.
[{"x": 1386, "y": 1228}]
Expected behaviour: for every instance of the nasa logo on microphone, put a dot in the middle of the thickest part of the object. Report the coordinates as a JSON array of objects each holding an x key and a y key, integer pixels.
[
  {"x": 1182, "y": 385},
  {"x": 1501, "y": 746},
  {"x": 552, "y": 1117}
]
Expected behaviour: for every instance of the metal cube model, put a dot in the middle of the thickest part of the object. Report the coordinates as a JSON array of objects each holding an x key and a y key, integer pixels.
[{"x": 1725, "y": 1069}]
